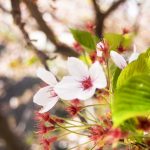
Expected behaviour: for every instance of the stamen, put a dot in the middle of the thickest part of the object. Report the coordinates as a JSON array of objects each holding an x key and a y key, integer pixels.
[{"x": 87, "y": 83}]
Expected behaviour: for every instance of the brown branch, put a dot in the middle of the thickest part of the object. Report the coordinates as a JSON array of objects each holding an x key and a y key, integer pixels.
[
  {"x": 100, "y": 16},
  {"x": 13, "y": 142},
  {"x": 37, "y": 15},
  {"x": 61, "y": 48},
  {"x": 99, "y": 19},
  {"x": 114, "y": 6},
  {"x": 16, "y": 13},
  {"x": 96, "y": 8}
]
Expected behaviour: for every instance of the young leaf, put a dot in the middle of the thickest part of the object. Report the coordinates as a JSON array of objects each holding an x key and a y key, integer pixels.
[
  {"x": 127, "y": 40},
  {"x": 114, "y": 40},
  {"x": 86, "y": 59},
  {"x": 140, "y": 66},
  {"x": 132, "y": 99},
  {"x": 115, "y": 77},
  {"x": 86, "y": 39}
]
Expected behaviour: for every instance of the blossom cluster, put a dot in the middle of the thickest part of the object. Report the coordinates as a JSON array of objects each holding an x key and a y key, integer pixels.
[
  {"x": 82, "y": 81},
  {"x": 84, "y": 90}
]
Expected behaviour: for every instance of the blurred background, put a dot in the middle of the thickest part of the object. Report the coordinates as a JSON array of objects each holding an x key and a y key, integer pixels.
[{"x": 35, "y": 33}]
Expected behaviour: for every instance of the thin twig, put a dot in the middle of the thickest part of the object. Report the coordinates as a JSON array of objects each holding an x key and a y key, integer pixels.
[
  {"x": 114, "y": 6},
  {"x": 16, "y": 13},
  {"x": 60, "y": 47},
  {"x": 100, "y": 16}
]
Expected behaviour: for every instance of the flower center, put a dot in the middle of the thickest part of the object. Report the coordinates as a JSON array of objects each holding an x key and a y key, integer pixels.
[
  {"x": 52, "y": 93},
  {"x": 87, "y": 83}
]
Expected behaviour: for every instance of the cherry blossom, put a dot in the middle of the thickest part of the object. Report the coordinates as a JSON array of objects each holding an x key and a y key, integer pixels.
[
  {"x": 82, "y": 82},
  {"x": 120, "y": 61},
  {"x": 46, "y": 96},
  {"x": 102, "y": 49}
]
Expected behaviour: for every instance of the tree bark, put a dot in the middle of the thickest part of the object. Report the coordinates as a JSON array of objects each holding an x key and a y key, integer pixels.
[
  {"x": 60, "y": 47},
  {"x": 100, "y": 16}
]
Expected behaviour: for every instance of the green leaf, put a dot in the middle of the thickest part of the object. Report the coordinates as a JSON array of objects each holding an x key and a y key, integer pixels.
[
  {"x": 132, "y": 99},
  {"x": 32, "y": 60},
  {"x": 113, "y": 40},
  {"x": 86, "y": 59},
  {"x": 127, "y": 40},
  {"x": 140, "y": 66},
  {"x": 115, "y": 77},
  {"x": 129, "y": 125},
  {"x": 86, "y": 39}
]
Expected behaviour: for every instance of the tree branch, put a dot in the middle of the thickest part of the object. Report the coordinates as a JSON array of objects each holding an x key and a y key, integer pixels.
[
  {"x": 96, "y": 8},
  {"x": 43, "y": 26},
  {"x": 100, "y": 17},
  {"x": 16, "y": 13},
  {"x": 114, "y": 6},
  {"x": 61, "y": 48}
]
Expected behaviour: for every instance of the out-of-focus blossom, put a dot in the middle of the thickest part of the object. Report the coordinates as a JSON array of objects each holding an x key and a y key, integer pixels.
[
  {"x": 125, "y": 30},
  {"x": 82, "y": 81},
  {"x": 46, "y": 96},
  {"x": 102, "y": 49},
  {"x": 78, "y": 47},
  {"x": 90, "y": 26}
]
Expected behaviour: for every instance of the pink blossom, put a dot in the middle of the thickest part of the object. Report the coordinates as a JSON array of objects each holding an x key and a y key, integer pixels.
[
  {"x": 82, "y": 82},
  {"x": 46, "y": 96}
]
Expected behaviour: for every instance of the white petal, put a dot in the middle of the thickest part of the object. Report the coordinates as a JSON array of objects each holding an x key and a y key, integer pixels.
[
  {"x": 76, "y": 67},
  {"x": 118, "y": 59},
  {"x": 68, "y": 88},
  {"x": 46, "y": 76},
  {"x": 100, "y": 46},
  {"x": 49, "y": 106},
  {"x": 98, "y": 75},
  {"x": 86, "y": 94},
  {"x": 134, "y": 55},
  {"x": 44, "y": 98},
  {"x": 99, "y": 53}
]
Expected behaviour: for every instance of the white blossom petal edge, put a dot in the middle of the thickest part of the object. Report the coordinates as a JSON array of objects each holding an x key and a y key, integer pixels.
[
  {"x": 82, "y": 81},
  {"x": 134, "y": 55},
  {"x": 120, "y": 61},
  {"x": 46, "y": 96}
]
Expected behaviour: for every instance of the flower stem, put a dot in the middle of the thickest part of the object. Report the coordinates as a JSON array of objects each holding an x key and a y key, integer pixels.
[
  {"x": 92, "y": 105},
  {"x": 86, "y": 117},
  {"x": 70, "y": 130}
]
